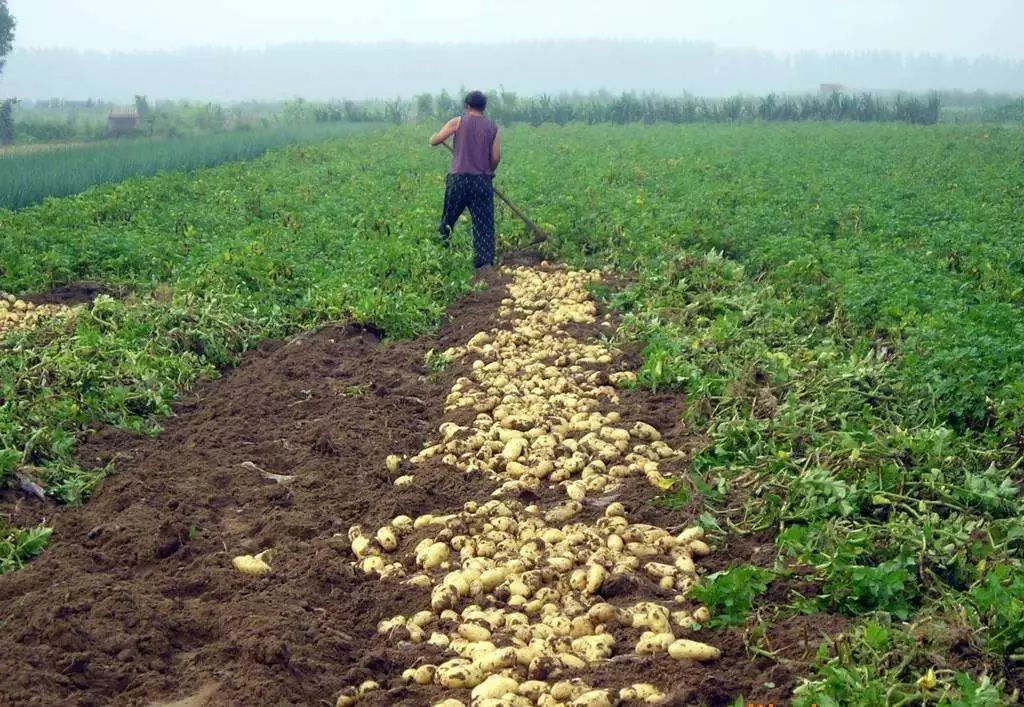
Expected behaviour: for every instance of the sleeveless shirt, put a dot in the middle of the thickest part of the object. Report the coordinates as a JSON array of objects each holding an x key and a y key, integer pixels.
[{"x": 473, "y": 142}]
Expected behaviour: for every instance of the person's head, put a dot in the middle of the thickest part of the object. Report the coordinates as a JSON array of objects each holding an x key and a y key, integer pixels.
[{"x": 476, "y": 100}]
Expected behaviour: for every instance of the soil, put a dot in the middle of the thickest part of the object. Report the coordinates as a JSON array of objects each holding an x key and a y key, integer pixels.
[
  {"x": 71, "y": 294},
  {"x": 135, "y": 601}
]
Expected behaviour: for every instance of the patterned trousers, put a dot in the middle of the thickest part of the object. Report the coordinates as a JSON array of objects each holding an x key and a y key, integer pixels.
[{"x": 473, "y": 192}]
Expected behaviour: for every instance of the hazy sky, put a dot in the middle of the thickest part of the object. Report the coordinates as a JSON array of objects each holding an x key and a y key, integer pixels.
[{"x": 959, "y": 27}]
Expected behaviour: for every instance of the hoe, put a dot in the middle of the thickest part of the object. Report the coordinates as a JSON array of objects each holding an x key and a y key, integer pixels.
[{"x": 539, "y": 235}]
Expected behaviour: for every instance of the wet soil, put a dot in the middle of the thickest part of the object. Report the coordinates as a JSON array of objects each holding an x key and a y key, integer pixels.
[
  {"x": 71, "y": 294},
  {"x": 135, "y": 601}
]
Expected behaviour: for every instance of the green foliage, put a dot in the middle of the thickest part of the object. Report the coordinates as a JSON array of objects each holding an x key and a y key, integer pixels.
[
  {"x": 213, "y": 263},
  {"x": 840, "y": 304},
  {"x": 436, "y": 361},
  {"x": 997, "y": 603},
  {"x": 649, "y": 108},
  {"x": 6, "y": 122},
  {"x": 730, "y": 594},
  {"x": 19, "y": 546},
  {"x": 879, "y": 664},
  {"x": 7, "y": 25},
  {"x": 29, "y": 177}
]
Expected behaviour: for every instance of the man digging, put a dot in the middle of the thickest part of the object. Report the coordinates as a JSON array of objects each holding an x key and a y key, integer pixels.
[{"x": 476, "y": 155}]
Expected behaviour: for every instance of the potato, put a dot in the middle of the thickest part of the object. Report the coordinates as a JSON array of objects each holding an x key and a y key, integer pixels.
[
  {"x": 424, "y": 674},
  {"x": 580, "y": 626},
  {"x": 474, "y": 632},
  {"x": 596, "y": 575},
  {"x": 402, "y": 523},
  {"x": 439, "y": 639},
  {"x": 594, "y": 649},
  {"x": 494, "y": 687},
  {"x": 498, "y": 659},
  {"x": 434, "y": 556},
  {"x": 403, "y": 481},
  {"x": 392, "y": 462},
  {"x": 573, "y": 662},
  {"x": 699, "y": 548},
  {"x": 565, "y": 690},
  {"x": 513, "y": 449},
  {"x": 360, "y": 544},
  {"x": 576, "y": 490},
  {"x": 593, "y": 698},
  {"x": 693, "y": 650},
  {"x": 641, "y": 692},
  {"x": 659, "y": 570},
  {"x": 651, "y": 642},
  {"x": 374, "y": 564},
  {"x": 459, "y": 676},
  {"x": 443, "y": 596},
  {"x": 387, "y": 539},
  {"x": 252, "y": 564},
  {"x": 684, "y": 564},
  {"x": 532, "y": 689}
]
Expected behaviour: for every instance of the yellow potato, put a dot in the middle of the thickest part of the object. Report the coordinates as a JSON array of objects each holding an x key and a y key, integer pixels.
[
  {"x": 693, "y": 650},
  {"x": 494, "y": 687},
  {"x": 459, "y": 676},
  {"x": 387, "y": 539},
  {"x": 651, "y": 642},
  {"x": 252, "y": 564},
  {"x": 593, "y": 698}
]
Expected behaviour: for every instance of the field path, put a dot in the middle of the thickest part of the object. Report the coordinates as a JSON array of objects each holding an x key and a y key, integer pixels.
[{"x": 137, "y": 602}]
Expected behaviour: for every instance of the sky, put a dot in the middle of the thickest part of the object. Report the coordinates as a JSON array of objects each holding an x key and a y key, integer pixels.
[{"x": 953, "y": 27}]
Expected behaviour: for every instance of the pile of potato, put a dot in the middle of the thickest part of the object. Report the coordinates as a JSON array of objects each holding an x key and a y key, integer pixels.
[
  {"x": 20, "y": 314},
  {"x": 515, "y": 588}
]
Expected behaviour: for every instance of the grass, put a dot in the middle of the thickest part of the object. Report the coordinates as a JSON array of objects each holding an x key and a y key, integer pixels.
[
  {"x": 840, "y": 304},
  {"x": 28, "y": 176}
]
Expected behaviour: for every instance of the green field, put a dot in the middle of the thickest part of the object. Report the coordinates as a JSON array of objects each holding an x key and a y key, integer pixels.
[
  {"x": 841, "y": 305},
  {"x": 27, "y": 176}
]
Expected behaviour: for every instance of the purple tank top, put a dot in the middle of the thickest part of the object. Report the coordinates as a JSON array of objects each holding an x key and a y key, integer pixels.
[{"x": 473, "y": 142}]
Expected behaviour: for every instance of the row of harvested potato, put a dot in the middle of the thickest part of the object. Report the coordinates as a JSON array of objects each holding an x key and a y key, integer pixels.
[
  {"x": 16, "y": 314},
  {"x": 515, "y": 589}
]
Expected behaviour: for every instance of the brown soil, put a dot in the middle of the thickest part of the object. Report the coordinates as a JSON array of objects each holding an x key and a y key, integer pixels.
[
  {"x": 71, "y": 294},
  {"x": 136, "y": 602}
]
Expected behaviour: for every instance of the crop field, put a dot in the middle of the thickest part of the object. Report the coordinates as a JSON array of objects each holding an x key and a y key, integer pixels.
[
  {"x": 749, "y": 427},
  {"x": 31, "y": 173}
]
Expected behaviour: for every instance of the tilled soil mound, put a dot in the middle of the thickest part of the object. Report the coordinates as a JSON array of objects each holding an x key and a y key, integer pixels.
[{"x": 136, "y": 601}]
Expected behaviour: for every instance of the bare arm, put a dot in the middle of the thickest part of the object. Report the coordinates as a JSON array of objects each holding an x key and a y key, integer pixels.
[
  {"x": 496, "y": 152},
  {"x": 446, "y": 131}
]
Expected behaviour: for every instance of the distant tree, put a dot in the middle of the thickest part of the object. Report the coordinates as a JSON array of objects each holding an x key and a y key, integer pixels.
[
  {"x": 7, "y": 122},
  {"x": 6, "y": 32},
  {"x": 141, "y": 106},
  {"x": 424, "y": 106},
  {"x": 396, "y": 112}
]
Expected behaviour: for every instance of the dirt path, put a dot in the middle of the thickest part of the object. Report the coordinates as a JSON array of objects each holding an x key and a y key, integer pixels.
[{"x": 136, "y": 600}]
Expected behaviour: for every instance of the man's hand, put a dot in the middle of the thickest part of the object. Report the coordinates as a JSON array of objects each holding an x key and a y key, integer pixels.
[{"x": 445, "y": 132}]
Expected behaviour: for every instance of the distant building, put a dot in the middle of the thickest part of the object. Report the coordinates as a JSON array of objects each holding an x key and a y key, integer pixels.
[
  {"x": 829, "y": 88},
  {"x": 122, "y": 122}
]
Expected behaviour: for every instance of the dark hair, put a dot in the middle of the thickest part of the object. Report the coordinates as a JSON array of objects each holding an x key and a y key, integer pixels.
[{"x": 477, "y": 101}]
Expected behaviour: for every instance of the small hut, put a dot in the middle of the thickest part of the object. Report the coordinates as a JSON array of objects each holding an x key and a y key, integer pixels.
[{"x": 122, "y": 122}]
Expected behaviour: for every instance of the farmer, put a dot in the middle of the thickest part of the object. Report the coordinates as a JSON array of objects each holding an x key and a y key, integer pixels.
[{"x": 477, "y": 154}]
